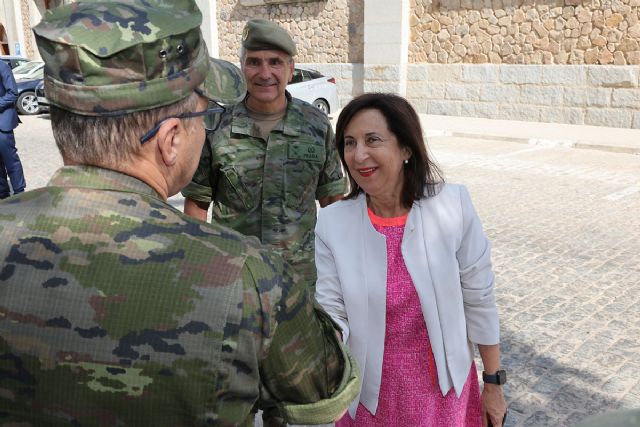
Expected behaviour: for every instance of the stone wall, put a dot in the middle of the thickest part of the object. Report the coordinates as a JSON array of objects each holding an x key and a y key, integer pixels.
[
  {"x": 330, "y": 31},
  {"x": 29, "y": 50},
  {"x": 566, "y": 62},
  {"x": 525, "y": 31}
]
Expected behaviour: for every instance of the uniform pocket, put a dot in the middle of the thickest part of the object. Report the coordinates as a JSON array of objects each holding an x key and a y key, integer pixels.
[
  {"x": 233, "y": 192},
  {"x": 302, "y": 172}
]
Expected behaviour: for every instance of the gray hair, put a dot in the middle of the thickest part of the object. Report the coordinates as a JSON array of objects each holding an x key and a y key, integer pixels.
[
  {"x": 243, "y": 55},
  {"x": 109, "y": 141}
]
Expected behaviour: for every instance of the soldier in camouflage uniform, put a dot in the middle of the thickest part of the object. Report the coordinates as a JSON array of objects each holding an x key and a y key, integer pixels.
[
  {"x": 118, "y": 309},
  {"x": 272, "y": 157}
]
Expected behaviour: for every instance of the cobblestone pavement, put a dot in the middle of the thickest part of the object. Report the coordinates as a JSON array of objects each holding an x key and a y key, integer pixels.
[
  {"x": 566, "y": 242},
  {"x": 565, "y": 229}
]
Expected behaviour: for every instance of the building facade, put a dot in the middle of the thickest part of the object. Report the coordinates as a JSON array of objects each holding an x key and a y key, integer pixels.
[{"x": 567, "y": 61}]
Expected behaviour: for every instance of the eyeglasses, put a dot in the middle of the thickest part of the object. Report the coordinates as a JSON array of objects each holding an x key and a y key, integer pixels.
[{"x": 212, "y": 120}]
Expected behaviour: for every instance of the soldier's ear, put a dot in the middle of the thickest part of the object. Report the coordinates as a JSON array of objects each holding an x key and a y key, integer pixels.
[
  {"x": 292, "y": 66},
  {"x": 167, "y": 141}
]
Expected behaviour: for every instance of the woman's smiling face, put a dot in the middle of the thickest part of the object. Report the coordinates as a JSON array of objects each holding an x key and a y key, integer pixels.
[{"x": 373, "y": 155}]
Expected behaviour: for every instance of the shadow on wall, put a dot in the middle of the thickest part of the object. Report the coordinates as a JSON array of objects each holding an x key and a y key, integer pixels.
[
  {"x": 356, "y": 32},
  {"x": 445, "y": 5},
  {"x": 356, "y": 45}
]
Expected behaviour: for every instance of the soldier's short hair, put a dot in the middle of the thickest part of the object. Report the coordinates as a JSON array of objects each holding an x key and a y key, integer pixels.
[
  {"x": 109, "y": 141},
  {"x": 243, "y": 56}
]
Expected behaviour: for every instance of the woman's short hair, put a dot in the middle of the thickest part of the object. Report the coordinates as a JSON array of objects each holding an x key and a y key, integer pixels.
[
  {"x": 109, "y": 141},
  {"x": 422, "y": 177}
]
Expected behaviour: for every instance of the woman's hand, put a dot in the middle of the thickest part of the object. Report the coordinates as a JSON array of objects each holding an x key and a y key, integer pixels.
[{"x": 494, "y": 407}]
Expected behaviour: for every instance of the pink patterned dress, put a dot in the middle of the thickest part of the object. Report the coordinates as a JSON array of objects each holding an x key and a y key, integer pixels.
[{"x": 409, "y": 392}]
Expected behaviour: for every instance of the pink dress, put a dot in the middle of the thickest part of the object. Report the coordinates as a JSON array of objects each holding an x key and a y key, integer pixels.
[{"x": 409, "y": 392}]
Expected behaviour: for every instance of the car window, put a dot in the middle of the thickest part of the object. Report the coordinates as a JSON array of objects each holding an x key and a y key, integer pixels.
[
  {"x": 14, "y": 62},
  {"x": 297, "y": 76},
  {"x": 26, "y": 67},
  {"x": 306, "y": 76}
]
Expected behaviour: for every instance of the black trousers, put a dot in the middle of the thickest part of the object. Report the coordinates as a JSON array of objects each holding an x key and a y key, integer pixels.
[{"x": 10, "y": 166}]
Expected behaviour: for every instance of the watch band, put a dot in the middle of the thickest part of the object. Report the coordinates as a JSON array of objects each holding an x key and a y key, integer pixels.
[{"x": 500, "y": 377}]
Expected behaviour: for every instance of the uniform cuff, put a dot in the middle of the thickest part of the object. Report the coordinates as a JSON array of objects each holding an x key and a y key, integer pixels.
[
  {"x": 330, "y": 409},
  {"x": 334, "y": 188},
  {"x": 197, "y": 192}
]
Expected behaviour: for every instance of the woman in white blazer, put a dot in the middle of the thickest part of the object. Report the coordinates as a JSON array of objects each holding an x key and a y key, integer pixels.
[{"x": 404, "y": 268}]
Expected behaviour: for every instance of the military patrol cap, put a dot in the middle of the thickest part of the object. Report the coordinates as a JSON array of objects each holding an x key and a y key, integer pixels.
[
  {"x": 116, "y": 57},
  {"x": 260, "y": 34}
]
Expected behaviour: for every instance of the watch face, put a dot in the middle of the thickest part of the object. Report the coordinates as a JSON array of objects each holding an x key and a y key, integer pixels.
[{"x": 502, "y": 377}]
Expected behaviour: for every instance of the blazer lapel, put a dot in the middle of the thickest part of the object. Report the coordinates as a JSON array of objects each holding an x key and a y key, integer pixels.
[
  {"x": 418, "y": 245},
  {"x": 374, "y": 267}
]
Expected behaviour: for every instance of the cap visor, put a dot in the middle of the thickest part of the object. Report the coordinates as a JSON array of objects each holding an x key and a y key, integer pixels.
[{"x": 224, "y": 83}]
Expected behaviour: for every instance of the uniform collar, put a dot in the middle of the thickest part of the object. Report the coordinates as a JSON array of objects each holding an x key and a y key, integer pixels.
[
  {"x": 99, "y": 179},
  {"x": 289, "y": 125}
]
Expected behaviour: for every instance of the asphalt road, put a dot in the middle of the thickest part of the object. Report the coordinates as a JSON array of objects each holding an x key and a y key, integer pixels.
[{"x": 566, "y": 242}]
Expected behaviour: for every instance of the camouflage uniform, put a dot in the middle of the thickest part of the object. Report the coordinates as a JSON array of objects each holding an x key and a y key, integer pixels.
[
  {"x": 116, "y": 308},
  {"x": 268, "y": 188}
]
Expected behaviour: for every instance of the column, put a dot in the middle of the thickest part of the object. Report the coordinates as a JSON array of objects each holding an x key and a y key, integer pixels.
[
  {"x": 386, "y": 46},
  {"x": 209, "y": 26}
]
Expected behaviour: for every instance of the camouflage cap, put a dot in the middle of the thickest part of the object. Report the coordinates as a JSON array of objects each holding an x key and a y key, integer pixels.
[
  {"x": 115, "y": 57},
  {"x": 260, "y": 34}
]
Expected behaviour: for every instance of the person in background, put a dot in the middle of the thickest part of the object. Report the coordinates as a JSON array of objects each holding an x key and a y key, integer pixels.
[
  {"x": 115, "y": 307},
  {"x": 404, "y": 268},
  {"x": 10, "y": 165},
  {"x": 272, "y": 157}
]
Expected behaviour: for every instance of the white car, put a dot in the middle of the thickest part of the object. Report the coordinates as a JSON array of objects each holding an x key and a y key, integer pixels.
[
  {"x": 314, "y": 88},
  {"x": 29, "y": 70}
]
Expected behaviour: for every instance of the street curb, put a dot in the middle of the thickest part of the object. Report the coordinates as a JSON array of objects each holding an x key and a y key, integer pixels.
[
  {"x": 583, "y": 145},
  {"x": 484, "y": 131},
  {"x": 569, "y": 143}
]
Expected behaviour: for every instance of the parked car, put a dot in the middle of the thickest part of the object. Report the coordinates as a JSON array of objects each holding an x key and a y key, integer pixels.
[
  {"x": 12, "y": 60},
  {"x": 28, "y": 70},
  {"x": 27, "y": 102},
  {"x": 316, "y": 89},
  {"x": 43, "y": 103}
]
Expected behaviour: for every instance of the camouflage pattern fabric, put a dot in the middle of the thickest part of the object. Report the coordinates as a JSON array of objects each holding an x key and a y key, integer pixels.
[
  {"x": 268, "y": 189},
  {"x": 110, "y": 58},
  {"x": 118, "y": 309}
]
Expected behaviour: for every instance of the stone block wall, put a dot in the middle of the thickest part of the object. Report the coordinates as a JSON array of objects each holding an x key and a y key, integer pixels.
[
  {"x": 568, "y": 61},
  {"x": 573, "y": 94},
  {"x": 328, "y": 31},
  {"x": 525, "y": 31}
]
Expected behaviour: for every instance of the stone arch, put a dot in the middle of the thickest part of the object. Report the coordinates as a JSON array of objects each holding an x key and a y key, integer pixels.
[{"x": 4, "y": 41}]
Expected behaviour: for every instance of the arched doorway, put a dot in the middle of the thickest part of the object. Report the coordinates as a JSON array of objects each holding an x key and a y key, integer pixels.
[{"x": 4, "y": 42}]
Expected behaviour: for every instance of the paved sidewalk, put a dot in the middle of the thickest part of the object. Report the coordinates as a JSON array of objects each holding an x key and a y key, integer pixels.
[
  {"x": 550, "y": 134},
  {"x": 566, "y": 241},
  {"x": 616, "y": 140}
]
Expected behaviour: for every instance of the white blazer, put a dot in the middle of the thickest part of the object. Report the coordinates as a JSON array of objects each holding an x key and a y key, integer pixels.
[{"x": 448, "y": 258}]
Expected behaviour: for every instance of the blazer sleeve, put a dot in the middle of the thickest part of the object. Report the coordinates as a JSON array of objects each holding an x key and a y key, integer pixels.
[
  {"x": 8, "y": 100},
  {"x": 328, "y": 286},
  {"x": 476, "y": 277}
]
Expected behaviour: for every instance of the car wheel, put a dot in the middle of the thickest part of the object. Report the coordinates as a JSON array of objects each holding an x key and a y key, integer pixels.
[
  {"x": 28, "y": 103},
  {"x": 321, "y": 105}
]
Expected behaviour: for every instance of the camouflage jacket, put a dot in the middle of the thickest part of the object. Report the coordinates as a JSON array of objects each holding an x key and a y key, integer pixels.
[
  {"x": 118, "y": 309},
  {"x": 268, "y": 189}
]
